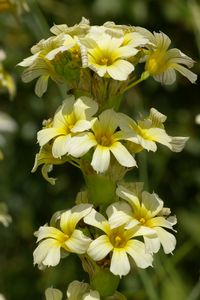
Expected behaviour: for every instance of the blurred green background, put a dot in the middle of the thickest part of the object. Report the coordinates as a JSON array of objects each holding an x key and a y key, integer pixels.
[{"x": 175, "y": 177}]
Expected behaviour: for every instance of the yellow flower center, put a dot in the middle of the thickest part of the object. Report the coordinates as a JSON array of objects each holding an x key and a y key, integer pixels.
[
  {"x": 142, "y": 221},
  {"x": 156, "y": 63},
  {"x": 104, "y": 140},
  {"x": 118, "y": 238},
  {"x": 105, "y": 61},
  {"x": 63, "y": 238},
  {"x": 142, "y": 132},
  {"x": 70, "y": 122}
]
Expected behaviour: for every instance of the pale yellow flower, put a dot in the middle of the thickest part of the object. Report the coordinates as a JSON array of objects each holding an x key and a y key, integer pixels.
[
  {"x": 108, "y": 57},
  {"x": 67, "y": 237},
  {"x": 120, "y": 242},
  {"x": 162, "y": 62},
  {"x": 106, "y": 139},
  {"x": 45, "y": 64},
  {"x": 73, "y": 117},
  {"x": 7, "y": 125},
  {"x": 148, "y": 212},
  {"x": 149, "y": 131}
]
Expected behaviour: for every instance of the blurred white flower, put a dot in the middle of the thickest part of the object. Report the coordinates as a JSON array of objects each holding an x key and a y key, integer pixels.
[
  {"x": 6, "y": 80},
  {"x": 5, "y": 218},
  {"x": 197, "y": 119}
]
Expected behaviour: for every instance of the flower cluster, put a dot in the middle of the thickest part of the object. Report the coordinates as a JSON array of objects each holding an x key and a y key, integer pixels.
[
  {"x": 74, "y": 132},
  {"x": 114, "y": 225},
  {"x": 111, "y": 51},
  {"x": 141, "y": 214}
]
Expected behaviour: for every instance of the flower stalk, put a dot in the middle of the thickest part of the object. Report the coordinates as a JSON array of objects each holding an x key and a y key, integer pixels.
[{"x": 114, "y": 223}]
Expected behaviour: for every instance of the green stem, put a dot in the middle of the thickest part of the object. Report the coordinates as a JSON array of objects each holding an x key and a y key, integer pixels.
[
  {"x": 148, "y": 285},
  {"x": 183, "y": 251},
  {"x": 143, "y": 77}
]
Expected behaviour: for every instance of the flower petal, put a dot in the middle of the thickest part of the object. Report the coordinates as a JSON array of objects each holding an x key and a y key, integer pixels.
[
  {"x": 192, "y": 77},
  {"x": 159, "y": 222},
  {"x": 136, "y": 250},
  {"x": 85, "y": 107},
  {"x": 61, "y": 145},
  {"x": 78, "y": 242},
  {"x": 81, "y": 125},
  {"x": 53, "y": 294},
  {"x": 151, "y": 203},
  {"x": 129, "y": 196},
  {"x": 95, "y": 219},
  {"x": 120, "y": 69},
  {"x": 81, "y": 144},
  {"x": 48, "y": 232},
  {"x": 70, "y": 218},
  {"x": 47, "y": 253},
  {"x": 101, "y": 159},
  {"x": 41, "y": 85},
  {"x": 92, "y": 295},
  {"x": 122, "y": 155},
  {"x": 46, "y": 134},
  {"x": 99, "y": 248},
  {"x": 152, "y": 244},
  {"x": 178, "y": 143},
  {"x": 167, "y": 239},
  {"x": 119, "y": 213},
  {"x": 119, "y": 262},
  {"x": 76, "y": 289}
]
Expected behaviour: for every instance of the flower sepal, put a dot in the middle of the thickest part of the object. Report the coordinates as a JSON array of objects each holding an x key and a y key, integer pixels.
[
  {"x": 101, "y": 189},
  {"x": 104, "y": 282}
]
